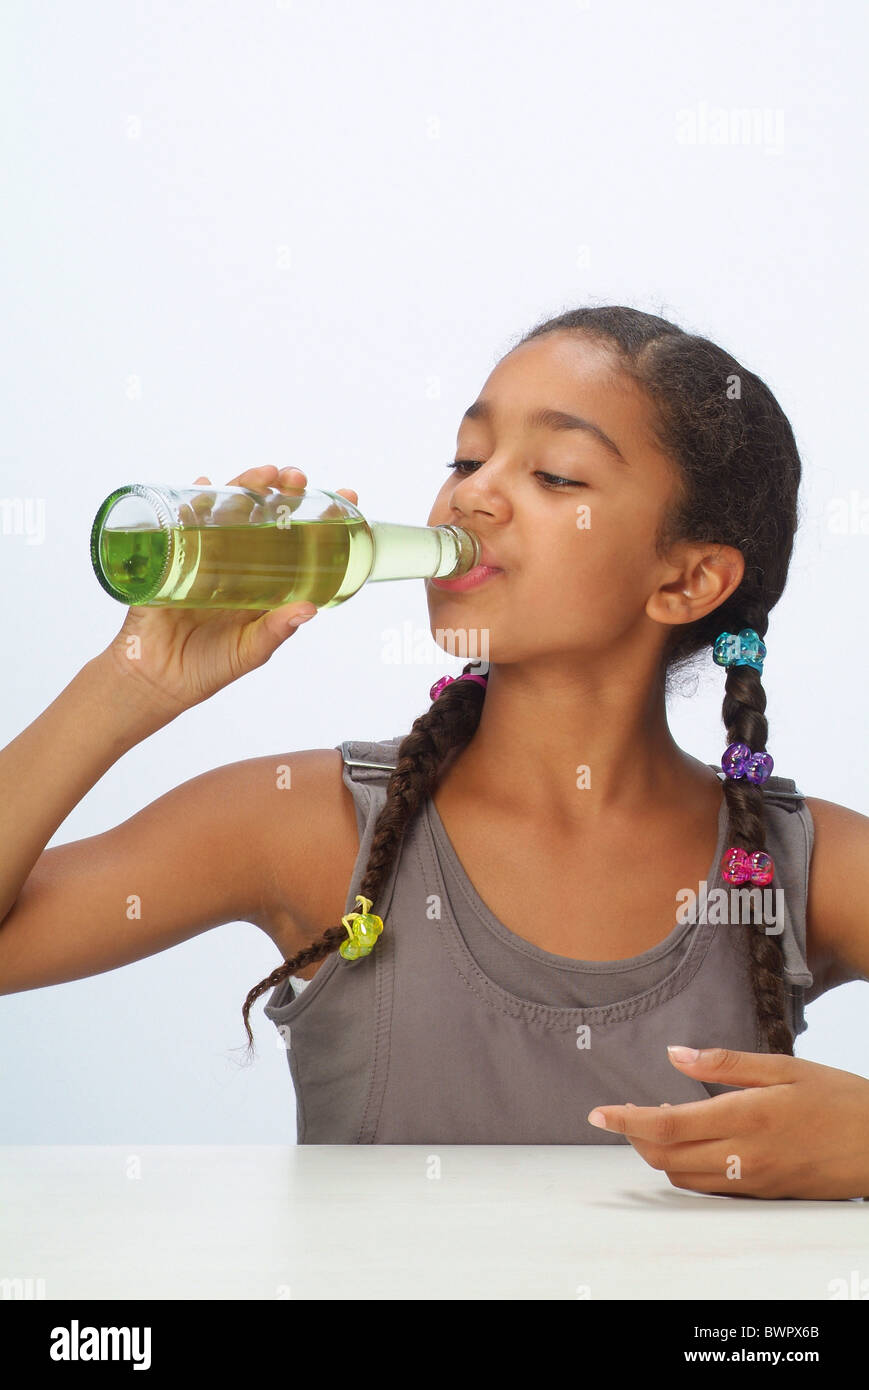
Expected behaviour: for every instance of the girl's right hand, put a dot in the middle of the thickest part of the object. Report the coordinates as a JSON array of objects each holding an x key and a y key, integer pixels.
[{"x": 184, "y": 655}]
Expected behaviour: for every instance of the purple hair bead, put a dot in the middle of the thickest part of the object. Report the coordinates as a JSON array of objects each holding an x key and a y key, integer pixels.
[{"x": 739, "y": 761}]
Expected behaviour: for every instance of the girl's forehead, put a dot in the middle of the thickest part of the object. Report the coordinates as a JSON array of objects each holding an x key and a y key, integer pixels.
[
  {"x": 575, "y": 374},
  {"x": 560, "y": 371}
]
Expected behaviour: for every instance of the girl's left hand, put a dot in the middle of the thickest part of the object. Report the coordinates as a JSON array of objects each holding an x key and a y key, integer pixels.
[{"x": 799, "y": 1129}]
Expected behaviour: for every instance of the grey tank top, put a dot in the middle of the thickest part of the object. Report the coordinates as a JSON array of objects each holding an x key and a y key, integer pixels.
[{"x": 455, "y": 1030}]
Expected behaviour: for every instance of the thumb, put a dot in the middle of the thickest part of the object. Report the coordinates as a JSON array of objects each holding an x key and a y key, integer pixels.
[
  {"x": 733, "y": 1068},
  {"x": 265, "y": 635}
]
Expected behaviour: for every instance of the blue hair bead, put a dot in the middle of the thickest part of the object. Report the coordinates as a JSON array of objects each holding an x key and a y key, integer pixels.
[{"x": 743, "y": 648}]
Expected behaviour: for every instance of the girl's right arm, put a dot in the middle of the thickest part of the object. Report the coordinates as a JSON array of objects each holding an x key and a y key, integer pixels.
[
  {"x": 45, "y": 772},
  {"x": 183, "y": 863}
]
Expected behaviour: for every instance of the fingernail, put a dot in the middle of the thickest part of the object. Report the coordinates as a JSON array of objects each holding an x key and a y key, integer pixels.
[
  {"x": 683, "y": 1054},
  {"x": 301, "y": 618},
  {"x": 596, "y": 1118}
]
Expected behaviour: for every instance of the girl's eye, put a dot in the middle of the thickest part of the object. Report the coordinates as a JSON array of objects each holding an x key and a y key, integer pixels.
[{"x": 551, "y": 479}]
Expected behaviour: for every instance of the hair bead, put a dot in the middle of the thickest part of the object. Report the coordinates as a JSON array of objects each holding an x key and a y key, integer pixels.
[
  {"x": 745, "y": 866},
  {"x": 441, "y": 685},
  {"x": 744, "y": 648},
  {"x": 363, "y": 929},
  {"x": 739, "y": 761}
]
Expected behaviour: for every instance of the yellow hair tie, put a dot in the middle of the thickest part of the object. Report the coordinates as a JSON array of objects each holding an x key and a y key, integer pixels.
[{"x": 365, "y": 929}]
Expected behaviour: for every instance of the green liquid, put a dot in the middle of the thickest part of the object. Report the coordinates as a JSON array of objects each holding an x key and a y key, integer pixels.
[{"x": 254, "y": 567}]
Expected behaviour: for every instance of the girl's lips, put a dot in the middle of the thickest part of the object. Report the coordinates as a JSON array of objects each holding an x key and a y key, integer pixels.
[{"x": 478, "y": 575}]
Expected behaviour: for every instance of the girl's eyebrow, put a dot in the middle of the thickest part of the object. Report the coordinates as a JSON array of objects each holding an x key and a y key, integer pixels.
[{"x": 549, "y": 419}]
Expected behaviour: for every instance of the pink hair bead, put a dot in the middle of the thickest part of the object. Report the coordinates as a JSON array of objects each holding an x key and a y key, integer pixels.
[
  {"x": 745, "y": 866},
  {"x": 441, "y": 685}
]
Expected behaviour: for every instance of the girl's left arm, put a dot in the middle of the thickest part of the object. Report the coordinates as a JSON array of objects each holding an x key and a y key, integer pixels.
[{"x": 797, "y": 1129}]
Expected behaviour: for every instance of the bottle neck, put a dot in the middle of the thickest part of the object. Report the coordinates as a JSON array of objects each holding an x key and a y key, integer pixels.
[{"x": 421, "y": 552}]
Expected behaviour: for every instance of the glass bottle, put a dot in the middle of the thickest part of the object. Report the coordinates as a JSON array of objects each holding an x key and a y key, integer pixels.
[{"x": 230, "y": 547}]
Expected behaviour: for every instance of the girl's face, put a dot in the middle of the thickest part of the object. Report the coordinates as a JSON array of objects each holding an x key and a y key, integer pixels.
[{"x": 568, "y": 513}]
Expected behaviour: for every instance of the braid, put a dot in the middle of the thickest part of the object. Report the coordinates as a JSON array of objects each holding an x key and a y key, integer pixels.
[
  {"x": 449, "y": 724},
  {"x": 743, "y": 712}
]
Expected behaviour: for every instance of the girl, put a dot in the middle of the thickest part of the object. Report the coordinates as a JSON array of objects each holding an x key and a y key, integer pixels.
[{"x": 516, "y": 860}]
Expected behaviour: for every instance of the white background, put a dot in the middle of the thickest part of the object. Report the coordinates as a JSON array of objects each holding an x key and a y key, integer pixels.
[{"x": 297, "y": 231}]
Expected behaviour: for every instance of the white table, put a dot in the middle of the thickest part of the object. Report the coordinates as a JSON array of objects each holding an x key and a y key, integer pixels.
[{"x": 403, "y": 1221}]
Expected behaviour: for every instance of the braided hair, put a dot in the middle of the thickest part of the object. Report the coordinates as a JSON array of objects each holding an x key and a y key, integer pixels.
[{"x": 739, "y": 475}]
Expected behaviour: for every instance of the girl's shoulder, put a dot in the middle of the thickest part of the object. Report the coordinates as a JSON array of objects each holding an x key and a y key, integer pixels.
[{"x": 837, "y": 922}]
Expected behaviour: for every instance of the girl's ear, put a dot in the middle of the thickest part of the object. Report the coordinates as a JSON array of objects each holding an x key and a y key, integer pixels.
[{"x": 707, "y": 576}]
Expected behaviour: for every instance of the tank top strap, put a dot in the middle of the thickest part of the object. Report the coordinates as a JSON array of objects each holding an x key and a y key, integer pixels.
[
  {"x": 370, "y": 760},
  {"x": 781, "y": 791},
  {"x": 368, "y": 764},
  {"x": 367, "y": 767}
]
